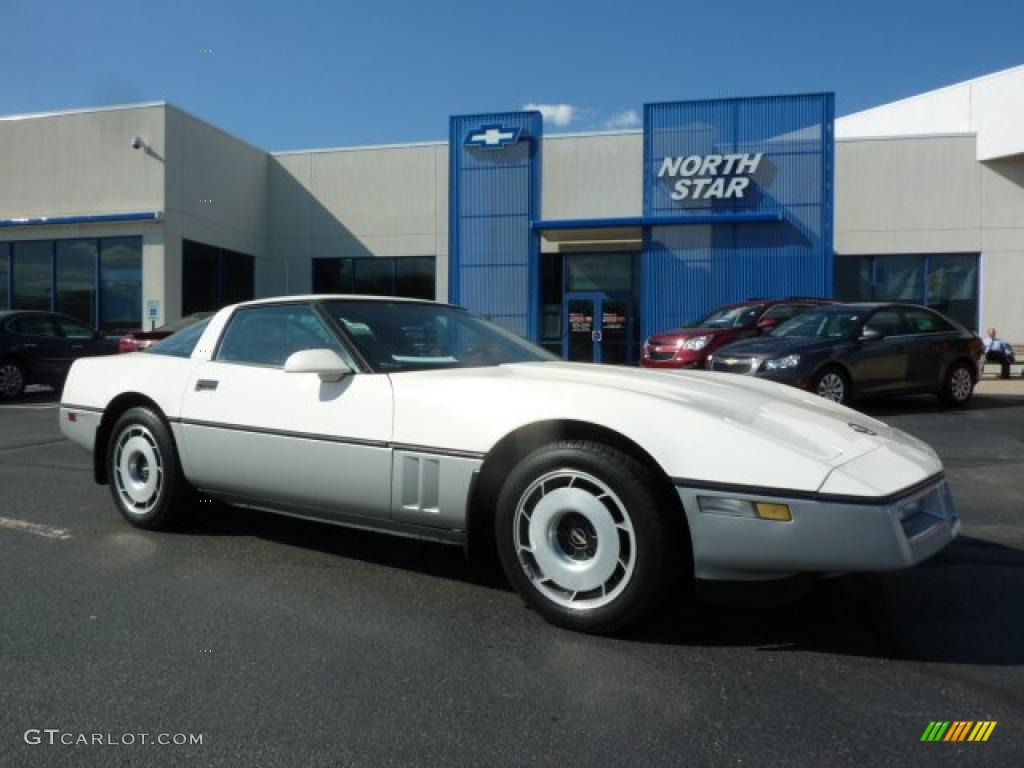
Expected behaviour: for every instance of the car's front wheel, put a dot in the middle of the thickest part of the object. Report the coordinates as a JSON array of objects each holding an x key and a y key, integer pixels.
[
  {"x": 12, "y": 378},
  {"x": 143, "y": 470},
  {"x": 583, "y": 538},
  {"x": 832, "y": 384},
  {"x": 958, "y": 386}
]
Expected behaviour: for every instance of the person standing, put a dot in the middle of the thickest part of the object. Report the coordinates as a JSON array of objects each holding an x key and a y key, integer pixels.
[{"x": 998, "y": 351}]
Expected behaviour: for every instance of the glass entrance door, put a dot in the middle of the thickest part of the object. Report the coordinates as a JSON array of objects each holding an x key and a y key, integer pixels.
[{"x": 597, "y": 328}]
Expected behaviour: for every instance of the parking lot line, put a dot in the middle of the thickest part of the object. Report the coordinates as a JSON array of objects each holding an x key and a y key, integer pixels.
[{"x": 38, "y": 529}]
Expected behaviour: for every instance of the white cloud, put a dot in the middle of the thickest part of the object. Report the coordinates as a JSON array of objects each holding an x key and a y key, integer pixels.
[
  {"x": 560, "y": 115},
  {"x": 627, "y": 119}
]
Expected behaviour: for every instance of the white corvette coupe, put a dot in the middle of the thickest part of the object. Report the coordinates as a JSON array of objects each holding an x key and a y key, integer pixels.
[{"x": 599, "y": 485}]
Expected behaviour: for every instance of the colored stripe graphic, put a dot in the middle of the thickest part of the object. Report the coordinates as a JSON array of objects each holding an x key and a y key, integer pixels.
[
  {"x": 935, "y": 730},
  {"x": 958, "y": 730}
]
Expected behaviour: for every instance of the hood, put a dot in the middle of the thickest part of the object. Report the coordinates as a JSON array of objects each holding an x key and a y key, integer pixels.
[
  {"x": 775, "y": 346},
  {"x": 786, "y": 416},
  {"x": 667, "y": 337}
]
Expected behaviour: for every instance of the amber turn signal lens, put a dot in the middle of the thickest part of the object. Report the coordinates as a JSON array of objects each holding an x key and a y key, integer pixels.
[{"x": 768, "y": 511}]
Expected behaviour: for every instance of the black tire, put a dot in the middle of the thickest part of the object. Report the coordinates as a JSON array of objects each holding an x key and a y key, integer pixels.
[
  {"x": 832, "y": 383},
  {"x": 649, "y": 544},
  {"x": 142, "y": 448},
  {"x": 958, "y": 386},
  {"x": 12, "y": 379}
]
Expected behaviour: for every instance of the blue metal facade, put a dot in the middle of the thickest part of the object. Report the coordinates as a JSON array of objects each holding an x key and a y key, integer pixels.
[
  {"x": 494, "y": 197},
  {"x": 732, "y": 249}
]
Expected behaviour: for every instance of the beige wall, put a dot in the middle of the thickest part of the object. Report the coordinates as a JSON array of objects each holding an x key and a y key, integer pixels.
[
  {"x": 390, "y": 201},
  {"x": 591, "y": 177},
  {"x": 204, "y": 163},
  {"x": 930, "y": 195},
  {"x": 81, "y": 163}
]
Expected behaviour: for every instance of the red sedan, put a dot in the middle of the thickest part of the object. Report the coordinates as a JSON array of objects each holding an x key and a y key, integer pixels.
[{"x": 689, "y": 347}]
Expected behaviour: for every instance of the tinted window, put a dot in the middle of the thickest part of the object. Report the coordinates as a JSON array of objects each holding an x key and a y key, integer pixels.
[
  {"x": 33, "y": 274},
  {"x": 400, "y": 336},
  {"x": 269, "y": 335},
  {"x": 5, "y": 267},
  {"x": 182, "y": 343},
  {"x": 922, "y": 321},
  {"x": 76, "y": 279},
  {"x": 33, "y": 325},
  {"x": 826, "y": 324},
  {"x": 73, "y": 329},
  {"x": 414, "y": 277},
  {"x": 886, "y": 322},
  {"x": 332, "y": 275},
  {"x": 374, "y": 277},
  {"x": 120, "y": 283}
]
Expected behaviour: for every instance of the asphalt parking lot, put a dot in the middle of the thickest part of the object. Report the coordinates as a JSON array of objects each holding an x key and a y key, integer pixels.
[{"x": 289, "y": 643}]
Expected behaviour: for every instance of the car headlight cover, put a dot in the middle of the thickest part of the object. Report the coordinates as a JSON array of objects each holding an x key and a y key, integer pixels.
[
  {"x": 696, "y": 343},
  {"x": 780, "y": 363}
]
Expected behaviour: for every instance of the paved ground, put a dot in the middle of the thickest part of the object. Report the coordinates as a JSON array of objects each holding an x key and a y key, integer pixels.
[{"x": 287, "y": 643}]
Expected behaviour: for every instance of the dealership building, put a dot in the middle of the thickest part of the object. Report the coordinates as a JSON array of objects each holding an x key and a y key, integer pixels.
[{"x": 135, "y": 215}]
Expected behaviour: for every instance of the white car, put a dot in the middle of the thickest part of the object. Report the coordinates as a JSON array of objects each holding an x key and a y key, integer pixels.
[{"x": 600, "y": 486}]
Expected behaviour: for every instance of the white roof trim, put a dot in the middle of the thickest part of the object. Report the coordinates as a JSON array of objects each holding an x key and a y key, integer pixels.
[{"x": 84, "y": 110}]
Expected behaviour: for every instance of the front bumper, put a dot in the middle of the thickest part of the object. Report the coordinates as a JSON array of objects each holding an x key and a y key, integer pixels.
[{"x": 824, "y": 536}]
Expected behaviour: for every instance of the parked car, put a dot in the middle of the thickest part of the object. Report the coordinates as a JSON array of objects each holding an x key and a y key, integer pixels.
[
  {"x": 137, "y": 341},
  {"x": 852, "y": 350},
  {"x": 599, "y": 486},
  {"x": 39, "y": 347},
  {"x": 690, "y": 346}
]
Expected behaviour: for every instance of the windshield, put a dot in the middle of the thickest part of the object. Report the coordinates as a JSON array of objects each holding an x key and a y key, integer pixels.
[
  {"x": 398, "y": 336},
  {"x": 730, "y": 317},
  {"x": 825, "y": 324}
]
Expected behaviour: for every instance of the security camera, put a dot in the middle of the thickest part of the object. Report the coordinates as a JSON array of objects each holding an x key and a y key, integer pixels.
[{"x": 137, "y": 142}]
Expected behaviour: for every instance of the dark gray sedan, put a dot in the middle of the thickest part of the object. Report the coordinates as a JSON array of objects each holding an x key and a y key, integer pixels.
[
  {"x": 856, "y": 350},
  {"x": 39, "y": 347}
]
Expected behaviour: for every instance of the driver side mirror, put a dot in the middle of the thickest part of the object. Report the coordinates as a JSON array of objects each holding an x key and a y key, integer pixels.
[
  {"x": 767, "y": 323},
  {"x": 325, "y": 363},
  {"x": 871, "y": 334}
]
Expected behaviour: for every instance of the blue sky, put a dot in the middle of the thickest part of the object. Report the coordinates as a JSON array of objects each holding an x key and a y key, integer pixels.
[{"x": 298, "y": 74}]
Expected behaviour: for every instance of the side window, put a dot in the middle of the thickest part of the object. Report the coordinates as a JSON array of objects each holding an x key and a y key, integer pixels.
[
  {"x": 886, "y": 321},
  {"x": 33, "y": 325},
  {"x": 72, "y": 329},
  {"x": 269, "y": 335},
  {"x": 182, "y": 343},
  {"x": 923, "y": 321}
]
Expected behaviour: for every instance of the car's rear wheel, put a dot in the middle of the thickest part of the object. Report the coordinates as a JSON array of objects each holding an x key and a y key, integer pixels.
[
  {"x": 583, "y": 538},
  {"x": 12, "y": 378},
  {"x": 145, "y": 475},
  {"x": 832, "y": 384},
  {"x": 958, "y": 386}
]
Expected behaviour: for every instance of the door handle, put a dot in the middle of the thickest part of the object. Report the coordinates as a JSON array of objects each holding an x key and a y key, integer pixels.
[{"x": 206, "y": 385}]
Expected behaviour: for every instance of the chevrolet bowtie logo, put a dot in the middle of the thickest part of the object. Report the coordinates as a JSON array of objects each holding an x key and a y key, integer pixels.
[{"x": 493, "y": 136}]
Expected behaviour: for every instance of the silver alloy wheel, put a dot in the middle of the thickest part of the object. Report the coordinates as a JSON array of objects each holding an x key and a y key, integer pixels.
[
  {"x": 11, "y": 379},
  {"x": 832, "y": 387},
  {"x": 138, "y": 469},
  {"x": 960, "y": 384},
  {"x": 574, "y": 539}
]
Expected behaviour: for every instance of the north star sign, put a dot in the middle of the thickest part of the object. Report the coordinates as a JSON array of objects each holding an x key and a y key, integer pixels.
[
  {"x": 710, "y": 177},
  {"x": 492, "y": 136}
]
